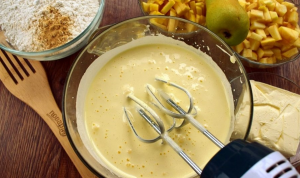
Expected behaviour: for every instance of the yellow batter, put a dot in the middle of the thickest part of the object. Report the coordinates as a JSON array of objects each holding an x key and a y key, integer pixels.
[{"x": 103, "y": 94}]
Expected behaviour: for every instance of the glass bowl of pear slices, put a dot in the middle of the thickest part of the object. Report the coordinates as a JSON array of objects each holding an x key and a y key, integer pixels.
[
  {"x": 176, "y": 9},
  {"x": 273, "y": 38}
]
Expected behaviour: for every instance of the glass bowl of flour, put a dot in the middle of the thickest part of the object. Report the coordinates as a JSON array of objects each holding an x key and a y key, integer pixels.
[
  {"x": 46, "y": 30},
  {"x": 121, "y": 60}
]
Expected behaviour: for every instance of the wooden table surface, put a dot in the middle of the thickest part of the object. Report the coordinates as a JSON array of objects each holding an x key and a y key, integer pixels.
[{"x": 28, "y": 148}]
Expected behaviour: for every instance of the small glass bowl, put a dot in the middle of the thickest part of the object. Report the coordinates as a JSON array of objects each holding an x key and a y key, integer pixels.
[
  {"x": 123, "y": 33},
  {"x": 248, "y": 62},
  {"x": 62, "y": 51},
  {"x": 251, "y": 63}
]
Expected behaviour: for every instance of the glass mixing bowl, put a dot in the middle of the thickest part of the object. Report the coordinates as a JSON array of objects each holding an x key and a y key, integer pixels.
[
  {"x": 246, "y": 61},
  {"x": 62, "y": 51},
  {"x": 123, "y": 33}
]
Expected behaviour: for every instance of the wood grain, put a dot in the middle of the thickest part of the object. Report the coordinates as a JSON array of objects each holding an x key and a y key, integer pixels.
[{"x": 28, "y": 148}]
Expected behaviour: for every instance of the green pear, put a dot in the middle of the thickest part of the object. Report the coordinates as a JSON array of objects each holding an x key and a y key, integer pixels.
[{"x": 227, "y": 19}]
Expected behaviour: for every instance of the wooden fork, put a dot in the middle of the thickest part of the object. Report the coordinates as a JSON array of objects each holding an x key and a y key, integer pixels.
[{"x": 27, "y": 80}]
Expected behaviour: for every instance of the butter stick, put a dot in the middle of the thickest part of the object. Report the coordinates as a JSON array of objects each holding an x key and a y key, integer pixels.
[{"x": 276, "y": 118}]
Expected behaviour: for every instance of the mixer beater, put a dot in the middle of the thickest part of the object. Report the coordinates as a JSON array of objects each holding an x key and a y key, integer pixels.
[{"x": 237, "y": 159}]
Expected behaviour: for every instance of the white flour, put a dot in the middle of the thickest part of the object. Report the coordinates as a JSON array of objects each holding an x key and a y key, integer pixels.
[{"x": 19, "y": 18}]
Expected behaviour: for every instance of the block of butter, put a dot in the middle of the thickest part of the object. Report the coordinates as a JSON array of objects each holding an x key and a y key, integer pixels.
[{"x": 276, "y": 118}]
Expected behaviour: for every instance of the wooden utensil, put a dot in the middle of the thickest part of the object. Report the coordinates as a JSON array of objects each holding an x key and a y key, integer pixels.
[{"x": 27, "y": 80}]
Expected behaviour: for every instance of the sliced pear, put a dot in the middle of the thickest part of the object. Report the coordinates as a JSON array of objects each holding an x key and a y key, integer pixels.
[
  {"x": 273, "y": 30},
  {"x": 290, "y": 53},
  {"x": 289, "y": 35}
]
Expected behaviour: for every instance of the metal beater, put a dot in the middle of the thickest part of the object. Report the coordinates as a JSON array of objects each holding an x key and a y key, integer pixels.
[
  {"x": 230, "y": 160},
  {"x": 158, "y": 125}
]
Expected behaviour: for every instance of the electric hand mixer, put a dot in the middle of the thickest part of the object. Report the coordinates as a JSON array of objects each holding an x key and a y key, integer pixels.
[{"x": 237, "y": 159}]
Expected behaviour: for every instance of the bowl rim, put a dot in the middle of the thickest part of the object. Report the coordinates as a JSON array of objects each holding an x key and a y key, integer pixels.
[
  {"x": 98, "y": 15},
  {"x": 143, "y": 17},
  {"x": 268, "y": 65}
]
